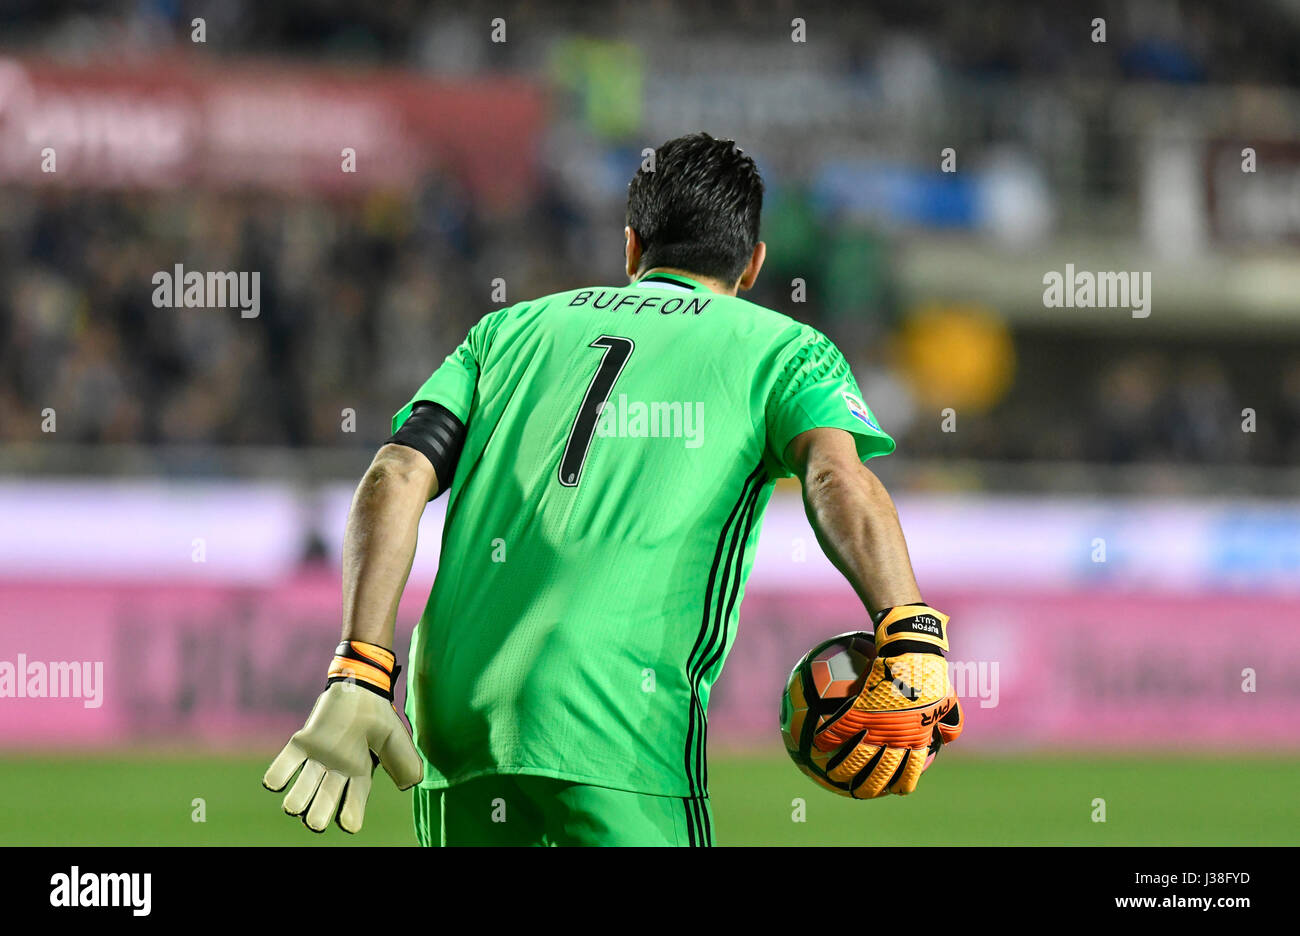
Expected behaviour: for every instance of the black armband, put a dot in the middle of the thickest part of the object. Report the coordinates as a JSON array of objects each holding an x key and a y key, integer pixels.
[{"x": 436, "y": 433}]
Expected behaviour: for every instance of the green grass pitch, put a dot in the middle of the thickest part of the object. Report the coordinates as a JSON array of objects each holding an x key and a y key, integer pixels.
[{"x": 149, "y": 799}]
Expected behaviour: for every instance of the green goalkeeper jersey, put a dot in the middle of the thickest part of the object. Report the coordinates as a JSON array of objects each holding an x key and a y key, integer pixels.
[{"x": 622, "y": 444}]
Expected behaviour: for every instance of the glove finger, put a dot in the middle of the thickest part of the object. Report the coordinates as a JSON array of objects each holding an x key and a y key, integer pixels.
[
  {"x": 284, "y": 766},
  {"x": 851, "y": 765},
  {"x": 299, "y": 797},
  {"x": 909, "y": 773},
  {"x": 878, "y": 780},
  {"x": 325, "y": 804},
  {"x": 353, "y": 812},
  {"x": 952, "y": 723},
  {"x": 896, "y": 706},
  {"x": 400, "y": 759}
]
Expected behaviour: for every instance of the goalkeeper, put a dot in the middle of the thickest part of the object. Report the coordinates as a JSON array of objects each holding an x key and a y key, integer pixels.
[{"x": 593, "y": 562}]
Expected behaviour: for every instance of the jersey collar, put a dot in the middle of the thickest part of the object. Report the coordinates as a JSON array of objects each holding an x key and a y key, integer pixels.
[{"x": 672, "y": 279}]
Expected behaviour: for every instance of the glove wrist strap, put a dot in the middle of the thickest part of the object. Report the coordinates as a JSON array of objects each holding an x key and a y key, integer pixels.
[
  {"x": 914, "y": 628},
  {"x": 365, "y": 664}
]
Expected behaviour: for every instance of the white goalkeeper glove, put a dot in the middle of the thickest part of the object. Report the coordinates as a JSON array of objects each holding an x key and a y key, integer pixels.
[{"x": 352, "y": 728}]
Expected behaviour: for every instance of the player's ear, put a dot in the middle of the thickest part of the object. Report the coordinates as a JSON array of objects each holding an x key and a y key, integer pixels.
[
  {"x": 755, "y": 264},
  {"x": 632, "y": 251}
]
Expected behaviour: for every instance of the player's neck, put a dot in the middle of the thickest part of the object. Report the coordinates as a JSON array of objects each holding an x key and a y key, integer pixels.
[{"x": 708, "y": 282}]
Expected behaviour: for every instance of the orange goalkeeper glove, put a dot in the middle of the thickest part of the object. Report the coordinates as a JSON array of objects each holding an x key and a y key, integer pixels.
[{"x": 906, "y": 710}]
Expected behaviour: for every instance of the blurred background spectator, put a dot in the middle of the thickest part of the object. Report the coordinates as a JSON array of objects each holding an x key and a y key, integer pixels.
[{"x": 1064, "y": 147}]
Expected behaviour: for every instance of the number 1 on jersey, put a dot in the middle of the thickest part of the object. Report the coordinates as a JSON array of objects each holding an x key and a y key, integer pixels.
[{"x": 617, "y": 351}]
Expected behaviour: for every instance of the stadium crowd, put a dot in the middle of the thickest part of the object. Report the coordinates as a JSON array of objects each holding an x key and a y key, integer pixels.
[{"x": 360, "y": 300}]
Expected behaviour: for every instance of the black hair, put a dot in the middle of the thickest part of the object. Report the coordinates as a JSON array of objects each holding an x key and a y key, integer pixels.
[{"x": 697, "y": 209}]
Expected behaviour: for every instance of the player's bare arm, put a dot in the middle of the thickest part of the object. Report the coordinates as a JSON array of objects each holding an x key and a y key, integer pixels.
[
  {"x": 905, "y": 709},
  {"x": 354, "y": 725},
  {"x": 354, "y": 716},
  {"x": 854, "y": 518},
  {"x": 380, "y": 539}
]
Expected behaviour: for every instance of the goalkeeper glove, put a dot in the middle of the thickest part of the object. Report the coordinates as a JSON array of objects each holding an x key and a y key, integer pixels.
[
  {"x": 352, "y": 728},
  {"x": 905, "y": 711}
]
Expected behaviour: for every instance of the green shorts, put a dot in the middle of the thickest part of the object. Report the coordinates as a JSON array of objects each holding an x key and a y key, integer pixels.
[{"x": 523, "y": 810}]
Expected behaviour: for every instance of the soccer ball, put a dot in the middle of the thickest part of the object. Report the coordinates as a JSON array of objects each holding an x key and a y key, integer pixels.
[{"x": 821, "y": 686}]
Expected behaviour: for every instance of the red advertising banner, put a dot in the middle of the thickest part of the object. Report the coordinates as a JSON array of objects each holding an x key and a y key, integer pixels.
[
  {"x": 182, "y": 122},
  {"x": 1077, "y": 669},
  {"x": 96, "y": 665}
]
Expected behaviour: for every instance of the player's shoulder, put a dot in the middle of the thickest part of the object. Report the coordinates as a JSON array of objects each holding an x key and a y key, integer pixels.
[
  {"x": 778, "y": 323},
  {"x": 788, "y": 342}
]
